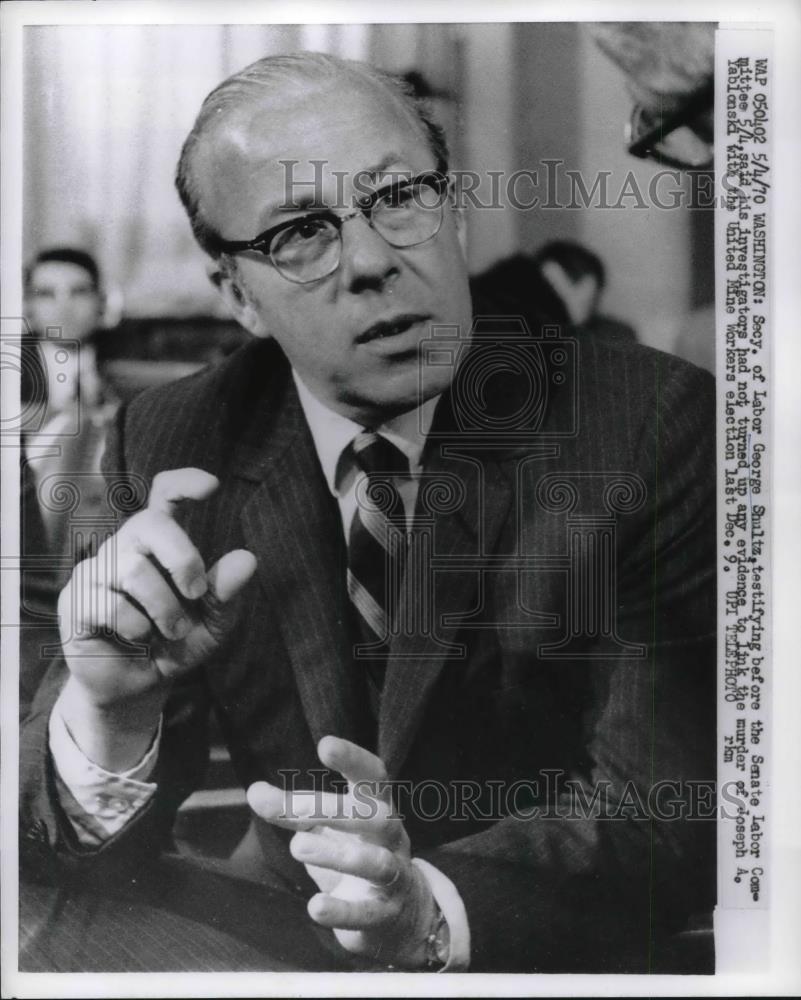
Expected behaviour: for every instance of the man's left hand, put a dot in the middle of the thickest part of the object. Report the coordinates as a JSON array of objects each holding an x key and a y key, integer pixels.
[{"x": 356, "y": 849}]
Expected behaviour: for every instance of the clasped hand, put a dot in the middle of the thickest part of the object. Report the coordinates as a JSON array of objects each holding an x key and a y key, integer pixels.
[{"x": 356, "y": 849}]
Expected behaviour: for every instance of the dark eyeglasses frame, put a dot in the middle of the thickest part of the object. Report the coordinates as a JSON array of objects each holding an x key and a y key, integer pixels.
[
  {"x": 436, "y": 179},
  {"x": 644, "y": 146}
]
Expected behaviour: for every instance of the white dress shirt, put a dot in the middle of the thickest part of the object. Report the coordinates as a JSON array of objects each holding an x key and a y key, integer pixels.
[
  {"x": 332, "y": 433},
  {"x": 99, "y": 803}
]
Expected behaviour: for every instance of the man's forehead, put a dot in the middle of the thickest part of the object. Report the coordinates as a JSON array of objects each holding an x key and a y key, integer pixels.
[
  {"x": 60, "y": 270},
  {"x": 346, "y": 128},
  {"x": 315, "y": 117}
]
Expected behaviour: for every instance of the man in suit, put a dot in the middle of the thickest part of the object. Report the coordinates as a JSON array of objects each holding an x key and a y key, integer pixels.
[{"x": 454, "y": 579}]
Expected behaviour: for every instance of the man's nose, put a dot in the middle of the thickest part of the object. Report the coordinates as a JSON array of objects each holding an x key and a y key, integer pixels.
[
  {"x": 367, "y": 260},
  {"x": 62, "y": 305}
]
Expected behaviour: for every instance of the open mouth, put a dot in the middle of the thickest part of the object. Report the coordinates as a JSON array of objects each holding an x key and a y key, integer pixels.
[{"x": 390, "y": 328}]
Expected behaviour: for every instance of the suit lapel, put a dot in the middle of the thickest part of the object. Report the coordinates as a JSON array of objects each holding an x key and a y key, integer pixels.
[
  {"x": 471, "y": 452},
  {"x": 292, "y": 525},
  {"x": 417, "y": 658}
]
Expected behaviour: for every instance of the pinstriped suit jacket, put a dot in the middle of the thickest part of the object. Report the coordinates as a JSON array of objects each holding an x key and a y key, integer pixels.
[{"x": 512, "y": 691}]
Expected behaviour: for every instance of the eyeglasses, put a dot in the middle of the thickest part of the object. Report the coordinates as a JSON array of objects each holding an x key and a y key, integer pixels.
[
  {"x": 405, "y": 213},
  {"x": 682, "y": 139}
]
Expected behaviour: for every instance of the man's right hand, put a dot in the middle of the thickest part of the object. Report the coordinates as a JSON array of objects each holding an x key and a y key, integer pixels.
[{"x": 148, "y": 586}]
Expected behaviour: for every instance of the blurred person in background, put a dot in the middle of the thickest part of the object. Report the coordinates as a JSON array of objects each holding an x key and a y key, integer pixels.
[
  {"x": 64, "y": 303},
  {"x": 68, "y": 405},
  {"x": 578, "y": 277},
  {"x": 669, "y": 70},
  {"x": 560, "y": 285},
  {"x": 513, "y": 286}
]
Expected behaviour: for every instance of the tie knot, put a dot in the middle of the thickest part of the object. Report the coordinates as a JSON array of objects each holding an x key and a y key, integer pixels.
[{"x": 374, "y": 455}]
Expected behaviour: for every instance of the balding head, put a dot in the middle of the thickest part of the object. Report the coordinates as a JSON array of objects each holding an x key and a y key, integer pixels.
[{"x": 271, "y": 84}]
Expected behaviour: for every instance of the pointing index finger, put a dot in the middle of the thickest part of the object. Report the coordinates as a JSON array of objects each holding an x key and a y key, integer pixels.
[
  {"x": 174, "y": 485},
  {"x": 304, "y": 810},
  {"x": 354, "y": 763}
]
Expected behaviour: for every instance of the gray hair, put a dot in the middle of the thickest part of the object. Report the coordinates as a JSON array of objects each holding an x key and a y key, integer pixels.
[{"x": 284, "y": 73}]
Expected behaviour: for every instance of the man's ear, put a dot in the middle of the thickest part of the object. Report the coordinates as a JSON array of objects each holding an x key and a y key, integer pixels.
[
  {"x": 459, "y": 218},
  {"x": 239, "y": 303}
]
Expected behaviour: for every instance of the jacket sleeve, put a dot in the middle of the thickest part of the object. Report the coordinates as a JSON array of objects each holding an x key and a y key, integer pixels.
[
  {"x": 605, "y": 884},
  {"x": 48, "y": 846}
]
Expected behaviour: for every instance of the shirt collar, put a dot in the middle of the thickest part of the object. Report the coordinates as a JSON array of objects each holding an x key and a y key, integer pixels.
[{"x": 332, "y": 433}]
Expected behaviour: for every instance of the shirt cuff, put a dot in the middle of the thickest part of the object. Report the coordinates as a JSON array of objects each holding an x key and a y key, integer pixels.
[
  {"x": 98, "y": 803},
  {"x": 447, "y": 898}
]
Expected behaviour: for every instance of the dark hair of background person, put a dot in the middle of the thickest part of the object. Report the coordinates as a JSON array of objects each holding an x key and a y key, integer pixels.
[
  {"x": 514, "y": 287},
  {"x": 64, "y": 255}
]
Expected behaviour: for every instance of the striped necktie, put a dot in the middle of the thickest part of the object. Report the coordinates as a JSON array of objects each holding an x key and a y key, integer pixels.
[{"x": 376, "y": 552}]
